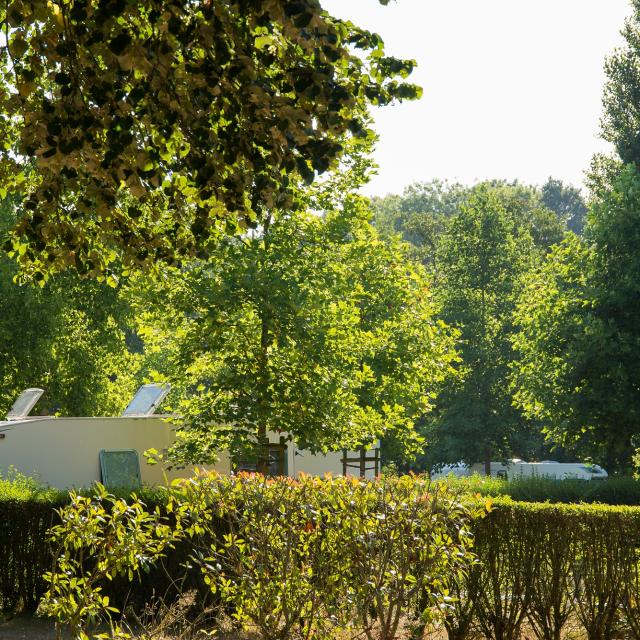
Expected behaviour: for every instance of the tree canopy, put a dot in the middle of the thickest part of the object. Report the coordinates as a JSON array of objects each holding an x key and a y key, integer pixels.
[
  {"x": 312, "y": 326},
  {"x": 134, "y": 132},
  {"x": 421, "y": 214},
  {"x": 567, "y": 202},
  {"x": 483, "y": 254},
  {"x": 579, "y": 342},
  {"x": 69, "y": 337},
  {"x": 621, "y": 99}
]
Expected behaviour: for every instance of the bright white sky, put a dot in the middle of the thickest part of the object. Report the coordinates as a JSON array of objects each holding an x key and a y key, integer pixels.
[{"x": 512, "y": 88}]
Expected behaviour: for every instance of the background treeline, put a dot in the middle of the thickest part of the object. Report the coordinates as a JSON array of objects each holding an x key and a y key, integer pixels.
[
  {"x": 548, "y": 317},
  {"x": 466, "y": 323},
  {"x": 544, "y": 288},
  {"x": 479, "y": 243}
]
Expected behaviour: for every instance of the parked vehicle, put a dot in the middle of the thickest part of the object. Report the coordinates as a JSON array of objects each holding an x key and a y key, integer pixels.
[
  {"x": 77, "y": 451},
  {"x": 516, "y": 468}
]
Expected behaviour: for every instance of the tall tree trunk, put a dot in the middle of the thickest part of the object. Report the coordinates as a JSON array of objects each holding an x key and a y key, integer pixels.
[
  {"x": 262, "y": 463},
  {"x": 487, "y": 461}
]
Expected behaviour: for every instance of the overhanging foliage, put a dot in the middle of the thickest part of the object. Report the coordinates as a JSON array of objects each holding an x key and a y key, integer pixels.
[{"x": 138, "y": 131}]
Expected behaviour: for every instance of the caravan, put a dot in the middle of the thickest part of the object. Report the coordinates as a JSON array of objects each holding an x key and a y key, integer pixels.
[
  {"x": 515, "y": 469},
  {"x": 68, "y": 452}
]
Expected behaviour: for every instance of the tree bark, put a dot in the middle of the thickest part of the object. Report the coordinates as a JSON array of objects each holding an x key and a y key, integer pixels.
[{"x": 487, "y": 462}]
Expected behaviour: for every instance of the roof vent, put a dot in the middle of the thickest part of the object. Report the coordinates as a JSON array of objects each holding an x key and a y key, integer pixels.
[
  {"x": 147, "y": 399},
  {"x": 25, "y": 402}
]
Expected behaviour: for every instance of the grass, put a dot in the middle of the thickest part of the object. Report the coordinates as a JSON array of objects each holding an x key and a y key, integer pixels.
[{"x": 15, "y": 486}]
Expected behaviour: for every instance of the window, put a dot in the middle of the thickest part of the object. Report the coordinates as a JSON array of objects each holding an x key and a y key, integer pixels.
[
  {"x": 25, "y": 402},
  {"x": 276, "y": 466},
  {"x": 147, "y": 399}
]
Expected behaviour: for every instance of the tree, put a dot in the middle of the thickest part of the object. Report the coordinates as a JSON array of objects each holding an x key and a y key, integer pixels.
[
  {"x": 527, "y": 207},
  {"x": 579, "y": 341},
  {"x": 311, "y": 326},
  {"x": 483, "y": 254},
  {"x": 139, "y": 131},
  {"x": 567, "y": 202},
  {"x": 69, "y": 337},
  {"x": 621, "y": 99},
  {"x": 579, "y": 338},
  {"x": 419, "y": 216}
]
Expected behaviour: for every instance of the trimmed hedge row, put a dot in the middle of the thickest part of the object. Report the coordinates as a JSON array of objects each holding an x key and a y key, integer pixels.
[
  {"x": 548, "y": 566},
  {"x": 24, "y": 555},
  {"x": 27, "y": 512},
  {"x": 551, "y": 566},
  {"x": 614, "y": 491}
]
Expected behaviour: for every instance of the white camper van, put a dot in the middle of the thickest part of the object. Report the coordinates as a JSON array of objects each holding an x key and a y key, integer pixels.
[
  {"x": 68, "y": 452},
  {"x": 516, "y": 468}
]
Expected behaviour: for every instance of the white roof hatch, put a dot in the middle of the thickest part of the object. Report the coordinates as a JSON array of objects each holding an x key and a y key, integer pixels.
[
  {"x": 147, "y": 399},
  {"x": 25, "y": 402}
]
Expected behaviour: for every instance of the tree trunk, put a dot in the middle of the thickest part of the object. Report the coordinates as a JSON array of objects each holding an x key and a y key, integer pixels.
[
  {"x": 487, "y": 462},
  {"x": 262, "y": 463}
]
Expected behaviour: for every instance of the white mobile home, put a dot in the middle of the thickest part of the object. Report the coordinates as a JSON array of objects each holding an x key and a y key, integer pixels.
[
  {"x": 76, "y": 452},
  {"x": 516, "y": 468}
]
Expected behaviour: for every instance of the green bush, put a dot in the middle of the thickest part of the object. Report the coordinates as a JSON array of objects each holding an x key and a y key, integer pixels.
[
  {"x": 614, "y": 491},
  {"x": 304, "y": 558},
  {"x": 27, "y": 511},
  {"x": 287, "y": 558},
  {"x": 550, "y": 563}
]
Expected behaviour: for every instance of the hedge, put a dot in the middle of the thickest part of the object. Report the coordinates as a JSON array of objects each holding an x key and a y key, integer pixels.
[
  {"x": 27, "y": 512},
  {"x": 548, "y": 565},
  {"x": 613, "y": 491},
  {"x": 543, "y": 565},
  {"x": 286, "y": 558}
]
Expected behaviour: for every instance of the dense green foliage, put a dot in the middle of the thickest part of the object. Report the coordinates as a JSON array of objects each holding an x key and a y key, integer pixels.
[
  {"x": 579, "y": 343},
  {"x": 567, "y": 202},
  {"x": 282, "y": 555},
  {"x": 482, "y": 255},
  {"x": 419, "y": 215},
  {"x": 314, "y": 327},
  {"x": 183, "y": 139},
  {"x": 478, "y": 243},
  {"x": 579, "y": 340},
  {"x": 69, "y": 337},
  {"x": 551, "y": 565},
  {"x": 621, "y": 119},
  {"x": 26, "y": 513},
  {"x": 138, "y": 131},
  {"x": 613, "y": 491}
]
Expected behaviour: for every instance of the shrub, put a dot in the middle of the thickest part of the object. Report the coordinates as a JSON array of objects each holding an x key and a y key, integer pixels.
[
  {"x": 400, "y": 544},
  {"x": 301, "y": 559},
  {"x": 548, "y": 562},
  {"x": 271, "y": 562},
  {"x": 502, "y": 590},
  {"x": 288, "y": 558},
  {"x": 26, "y": 513},
  {"x": 614, "y": 491},
  {"x": 98, "y": 539}
]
